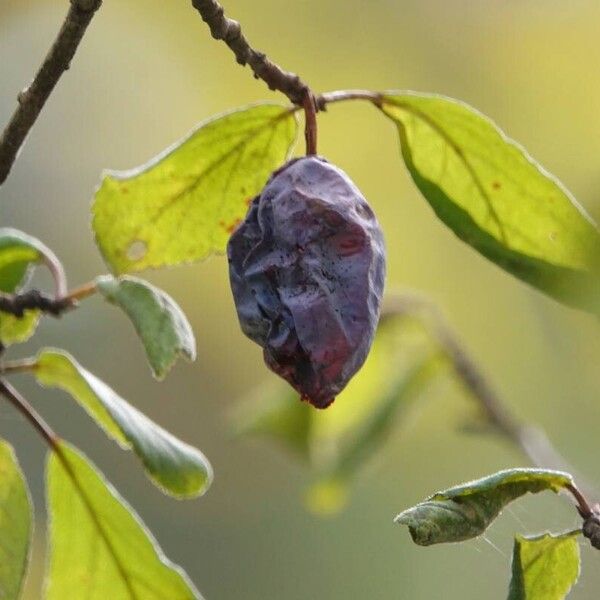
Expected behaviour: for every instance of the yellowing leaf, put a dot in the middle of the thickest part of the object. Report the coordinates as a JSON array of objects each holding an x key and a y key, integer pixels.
[
  {"x": 99, "y": 548},
  {"x": 497, "y": 199},
  {"x": 338, "y": 442},
  {"x": 326, "y": 497},
  {"x": 183, "y": 205},
  {"x": 276, "y": 412},
  {"x": 19, "y": 252},
  {"x": 16, "y": 330}
]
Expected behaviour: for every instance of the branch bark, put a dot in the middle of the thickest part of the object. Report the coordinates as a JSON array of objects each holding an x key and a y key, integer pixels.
[
  {"x": 11, "y": 394},
  {"x": 32, "y": 99},
  {"x": 17, "y": 304},
  {"x": 230, "y": 31}
]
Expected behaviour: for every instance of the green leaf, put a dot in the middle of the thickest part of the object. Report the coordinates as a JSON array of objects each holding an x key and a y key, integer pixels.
[
  {"x": 160, "y": 323},
  {"x": 16, "y": 330},
  {"x": 497, "y": 199},
  {"x": 15, "y": 524},
  {"x": 276, "y": 413},
  {"x": 18, "y": 252},
  {"x": 328, "y": 495},
  {"x": 183, "y": 205},
  {"x": 174, "y": 466},
  {"x": 99, "y": 547},
  {"x": 379, "y": 424},
  {"x": 465, "y": 511},
  {"x": 336, "y": 443},
  {"x": 544, "y": 567}
]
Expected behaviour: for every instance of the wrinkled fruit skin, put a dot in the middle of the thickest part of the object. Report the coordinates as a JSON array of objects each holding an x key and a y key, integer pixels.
[{"x": 307, "y": 268}]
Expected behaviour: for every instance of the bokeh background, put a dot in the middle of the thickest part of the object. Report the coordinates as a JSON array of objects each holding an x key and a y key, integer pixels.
[{"x": 146, "y": 73}]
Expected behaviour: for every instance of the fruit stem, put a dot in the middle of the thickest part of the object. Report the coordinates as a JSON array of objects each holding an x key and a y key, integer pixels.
[{"x": 310, "y": 119}]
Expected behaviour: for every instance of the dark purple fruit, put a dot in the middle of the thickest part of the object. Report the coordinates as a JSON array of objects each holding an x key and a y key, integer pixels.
[{"x": 307, "y": 267}]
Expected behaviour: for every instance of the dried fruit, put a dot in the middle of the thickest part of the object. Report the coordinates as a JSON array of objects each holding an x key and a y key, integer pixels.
[{"x": 307, "y": 268}]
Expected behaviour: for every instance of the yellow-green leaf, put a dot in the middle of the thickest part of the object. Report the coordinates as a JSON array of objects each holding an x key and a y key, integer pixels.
[
  {"x": 19, "y": 252},
  {"x": 16, "y": 330},
  {"x": 276, "y": 412},
  {"x": 15, "y": 524},
  {"x": 329, "y": 493},
  {"x": 465, "y": 511},
  {"x": 496, "y": 198},
  {"x": 99, "y": 548},
  {"x": 173, "y": 465},
  {"x": 544, "y": 567},
  {"x": 183, "y": 205},
  {"x": 338, "y": 442},
  {"x": 160, "y": 323},
  {"x": 371, "y": 435}
]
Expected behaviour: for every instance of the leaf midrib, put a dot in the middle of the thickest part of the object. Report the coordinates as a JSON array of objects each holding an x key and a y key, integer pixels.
[
  {"x": 271, "y": 122},
  {"x": 460, "y": 154},
  {"x": 96, "y": 521}
]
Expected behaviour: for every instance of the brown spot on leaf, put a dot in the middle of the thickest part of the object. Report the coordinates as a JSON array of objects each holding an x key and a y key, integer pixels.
[
  {"x": 496, "y": 185},
  {"x": 233, "y": 226}
]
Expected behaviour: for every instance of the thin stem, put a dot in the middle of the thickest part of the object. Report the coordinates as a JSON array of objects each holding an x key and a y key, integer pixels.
[
  {"x": 57, "y": 271},
  {"x": 24, "y": 365},
  {"x": 17, "y": 304},
  {"x": 53, "y": 442},
  {"x": 310, "y": 129},
  {"x": 342, "y": 95},
  {"x": 32, "y": 100},
  {"x": 13, "y": 396},
  {"x": 230, "y": 31},
  {"x": 82, "y": 292},
  {"x": 583, "y": 506}
]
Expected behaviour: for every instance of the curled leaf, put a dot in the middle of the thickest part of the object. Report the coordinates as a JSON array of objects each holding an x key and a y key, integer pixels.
[
  {"x": 160, "y": 323},
  {"x": 466, "y": 511}
]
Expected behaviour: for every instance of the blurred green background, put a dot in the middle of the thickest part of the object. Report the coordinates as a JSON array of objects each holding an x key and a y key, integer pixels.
[{"x": 146, "y": 73}]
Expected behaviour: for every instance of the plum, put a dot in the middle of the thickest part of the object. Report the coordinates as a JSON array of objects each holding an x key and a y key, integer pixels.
[{"x": 307, "y": 270}]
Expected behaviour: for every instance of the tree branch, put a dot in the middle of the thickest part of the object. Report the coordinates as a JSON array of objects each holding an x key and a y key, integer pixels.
[
  {"x": 230, "y": 31},
  {"x": 32, "y": 99},
  {"x": 11, "y": 394},
  {"x": 322, "y": 100},
  {"x": 532, "y": 441},
  {"x": 17, "y": 304}
]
